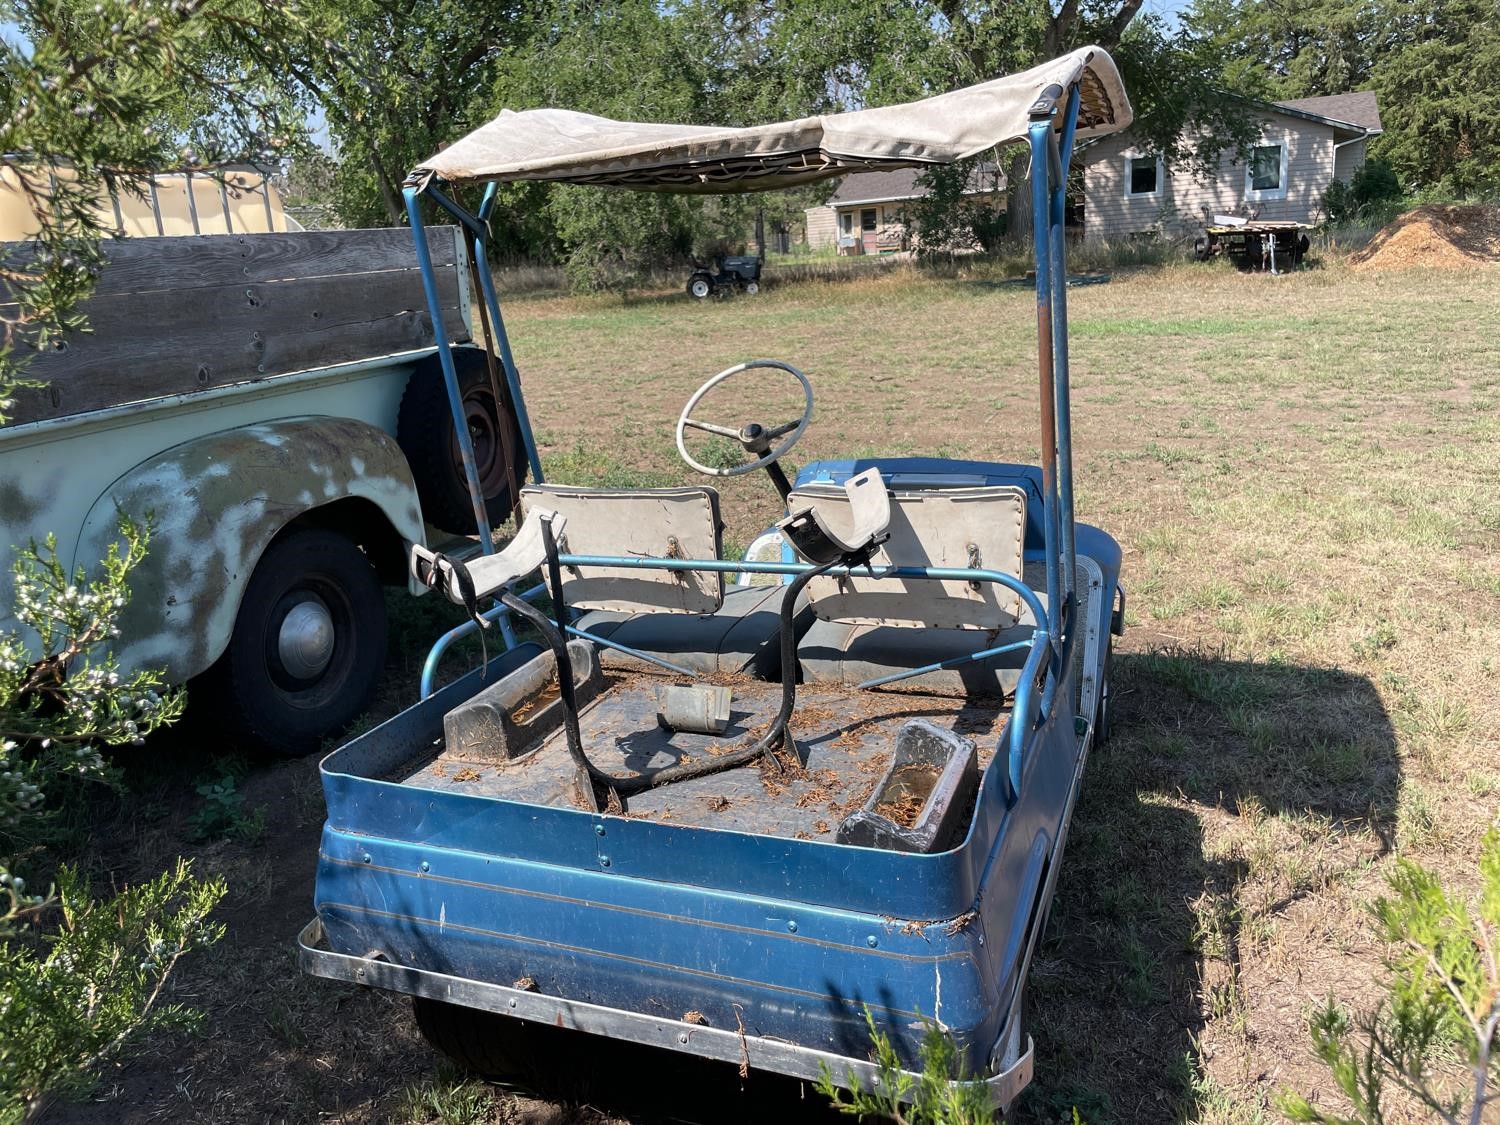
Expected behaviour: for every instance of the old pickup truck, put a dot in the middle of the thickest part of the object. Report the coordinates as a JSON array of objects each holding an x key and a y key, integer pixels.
[{"x": 272, "y": 404}]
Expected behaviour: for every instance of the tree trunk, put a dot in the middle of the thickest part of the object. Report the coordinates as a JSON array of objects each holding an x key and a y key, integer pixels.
[
  {"x": 393, "y": 209},
  {"x": 760, "y": 233}
]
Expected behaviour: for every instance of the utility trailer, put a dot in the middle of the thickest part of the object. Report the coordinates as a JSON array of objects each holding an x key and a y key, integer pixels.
[{"x": 730, "y": 820}]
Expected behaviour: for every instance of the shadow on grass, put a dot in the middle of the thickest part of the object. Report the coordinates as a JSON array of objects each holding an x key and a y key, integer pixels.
[{"x": 1143, "y": 945}]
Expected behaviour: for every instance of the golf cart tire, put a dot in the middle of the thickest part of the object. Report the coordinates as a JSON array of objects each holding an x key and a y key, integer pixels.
[
  {"x": 424, "y": 430},
  {"x": 700, "y": 286},
  {"x": 485, "y": 1043},
  {"x": 1103, "y": 717},
  {"x": 254, "y": 693}
]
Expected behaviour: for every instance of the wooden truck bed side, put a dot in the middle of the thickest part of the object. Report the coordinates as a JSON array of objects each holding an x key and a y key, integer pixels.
[
  {"x": 245, "y": 393},
  {"x": 175, "y": 315}
]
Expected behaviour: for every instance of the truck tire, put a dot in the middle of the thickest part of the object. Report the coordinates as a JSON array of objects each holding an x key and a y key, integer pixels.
[
  {"x": 308, "y": 645},
  {"x": 424, "y": 430}
]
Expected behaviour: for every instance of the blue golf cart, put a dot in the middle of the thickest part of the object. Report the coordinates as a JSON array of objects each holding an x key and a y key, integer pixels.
[{"x": 729, "y": 806}]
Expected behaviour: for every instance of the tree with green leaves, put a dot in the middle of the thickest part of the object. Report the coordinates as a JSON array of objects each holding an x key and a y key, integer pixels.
[
  {"x": 394, "y": 81},
  {"x": 941, "y": 1094},
  {"x": 1430, "y": 63},
  {"x": 98, "y": 96},
  {"x": 1442, "y": 1003}
]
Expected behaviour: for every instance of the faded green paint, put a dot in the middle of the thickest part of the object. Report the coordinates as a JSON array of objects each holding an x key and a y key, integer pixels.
[
  {"x": 215, "y": 504},
  {"x": 55, "y": 475},
  {"x": 19, "y": 506}
]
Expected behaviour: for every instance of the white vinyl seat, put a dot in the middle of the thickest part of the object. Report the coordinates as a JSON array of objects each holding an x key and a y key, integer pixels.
[
  {"x": 682, "y": 617},
  {"x": 866, "y": 628}
]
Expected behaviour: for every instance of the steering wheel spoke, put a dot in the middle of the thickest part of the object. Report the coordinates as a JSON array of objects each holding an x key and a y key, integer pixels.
[
  {"x": 712, "y": 428},
  {"x": 791, "y": 432},
  {"x": 785, "y": 428}
]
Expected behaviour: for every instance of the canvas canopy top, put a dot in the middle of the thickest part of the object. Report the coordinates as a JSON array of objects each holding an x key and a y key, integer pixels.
[{"x": 580, "y": 148}]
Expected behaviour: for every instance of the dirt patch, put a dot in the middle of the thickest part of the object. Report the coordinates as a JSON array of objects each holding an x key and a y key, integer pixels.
[{"x": 1434, "y": 237}]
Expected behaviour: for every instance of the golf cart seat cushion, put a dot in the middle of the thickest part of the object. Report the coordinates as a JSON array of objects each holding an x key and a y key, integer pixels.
[
  {"x": 980, "y": 528},
  {"x": 743, "y": 636},
  {"x": 487, "y": 574},
  {"x": 662, "y": 523},
  {"x": 840, "y": 652}
]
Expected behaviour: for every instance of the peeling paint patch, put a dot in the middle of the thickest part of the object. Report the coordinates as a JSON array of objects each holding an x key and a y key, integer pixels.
[{"x": 209, "y": 534}]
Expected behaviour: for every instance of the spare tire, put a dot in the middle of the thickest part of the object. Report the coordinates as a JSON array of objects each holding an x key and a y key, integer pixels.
[{"x": 424, "y": 429}]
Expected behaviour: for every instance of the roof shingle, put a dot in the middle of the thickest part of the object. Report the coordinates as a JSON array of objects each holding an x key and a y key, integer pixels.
[
  {"x": 1359, "y": 108},
  {"x": 901, "y": 183}
]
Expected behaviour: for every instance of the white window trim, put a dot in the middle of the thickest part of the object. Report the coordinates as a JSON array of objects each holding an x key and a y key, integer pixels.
[
  {"x": 1161, "y": 177},
  {"x": 1266, "y": 193}
]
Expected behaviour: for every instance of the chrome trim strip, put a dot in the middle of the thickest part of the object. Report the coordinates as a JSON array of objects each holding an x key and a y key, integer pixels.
[{"x": 723, "y": 1045}]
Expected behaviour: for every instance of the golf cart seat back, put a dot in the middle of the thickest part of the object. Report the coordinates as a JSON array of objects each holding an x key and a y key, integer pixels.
[
  {"x": 868, "y": 627},
  {"x": 981, "y": 528},
  {"x": 682, "y": 617},
  {"x": 648, "y": 523}
]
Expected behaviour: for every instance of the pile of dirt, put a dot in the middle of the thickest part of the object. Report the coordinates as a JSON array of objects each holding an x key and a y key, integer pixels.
[{"x": 1438, "y": 237}]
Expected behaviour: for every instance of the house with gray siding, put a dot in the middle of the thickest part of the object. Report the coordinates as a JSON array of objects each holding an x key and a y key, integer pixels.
[
  {"x": 867, "y": 212},
  {"x": 1303, "y": 146}
]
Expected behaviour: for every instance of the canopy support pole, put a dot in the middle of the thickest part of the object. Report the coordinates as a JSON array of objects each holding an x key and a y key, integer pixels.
[
  {"x": 445, "y": 359},
  {"x": 1062, "y": 153},
  {"x": 478, "y": 227},
  {"x": 1050, "y": 159},
  {"x": 1040, "y": 135}
]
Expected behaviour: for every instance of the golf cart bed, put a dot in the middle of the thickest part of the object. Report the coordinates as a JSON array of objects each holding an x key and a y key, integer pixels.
[{"x": 845, "y": 739}]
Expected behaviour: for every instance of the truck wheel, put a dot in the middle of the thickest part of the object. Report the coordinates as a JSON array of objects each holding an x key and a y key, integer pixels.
[
  {"x": 424, "y": 430},
  {"x": 699, "y": 286},
  {"x": 308, "y": 645}
]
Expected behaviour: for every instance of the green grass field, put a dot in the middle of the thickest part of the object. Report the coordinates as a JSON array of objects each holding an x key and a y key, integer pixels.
[{"x": 1304, "y": 473}]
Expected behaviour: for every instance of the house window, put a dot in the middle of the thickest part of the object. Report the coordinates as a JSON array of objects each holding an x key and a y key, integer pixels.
[
  {"x": 1144, "y": 174},
  {"x": 867, "y": 219},
  {"x": 1265, "y": 175},
  {"x": 846, "y": 222}
]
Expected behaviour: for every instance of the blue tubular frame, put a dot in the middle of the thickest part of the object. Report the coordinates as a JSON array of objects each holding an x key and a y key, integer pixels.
[
  {"x": 1060, "y": 158},
  {"x": 1051, "y": 157},
  {"x": 445, "y": 358}
]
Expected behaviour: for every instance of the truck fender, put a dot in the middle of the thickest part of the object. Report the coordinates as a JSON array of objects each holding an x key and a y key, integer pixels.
[{"x": 214, "y": 505}]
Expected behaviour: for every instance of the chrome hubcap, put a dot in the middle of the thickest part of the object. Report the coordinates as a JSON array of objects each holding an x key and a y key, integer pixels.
[{"x": 305, "y": 643}]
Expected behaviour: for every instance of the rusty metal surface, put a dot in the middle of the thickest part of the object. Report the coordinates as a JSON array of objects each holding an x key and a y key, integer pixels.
[
  {"x": 215, "y": 504},
  {"x": 845, "y": 739}
]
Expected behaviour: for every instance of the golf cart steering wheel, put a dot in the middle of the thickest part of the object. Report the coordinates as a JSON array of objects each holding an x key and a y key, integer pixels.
[{"x": 754, "y": 437}]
